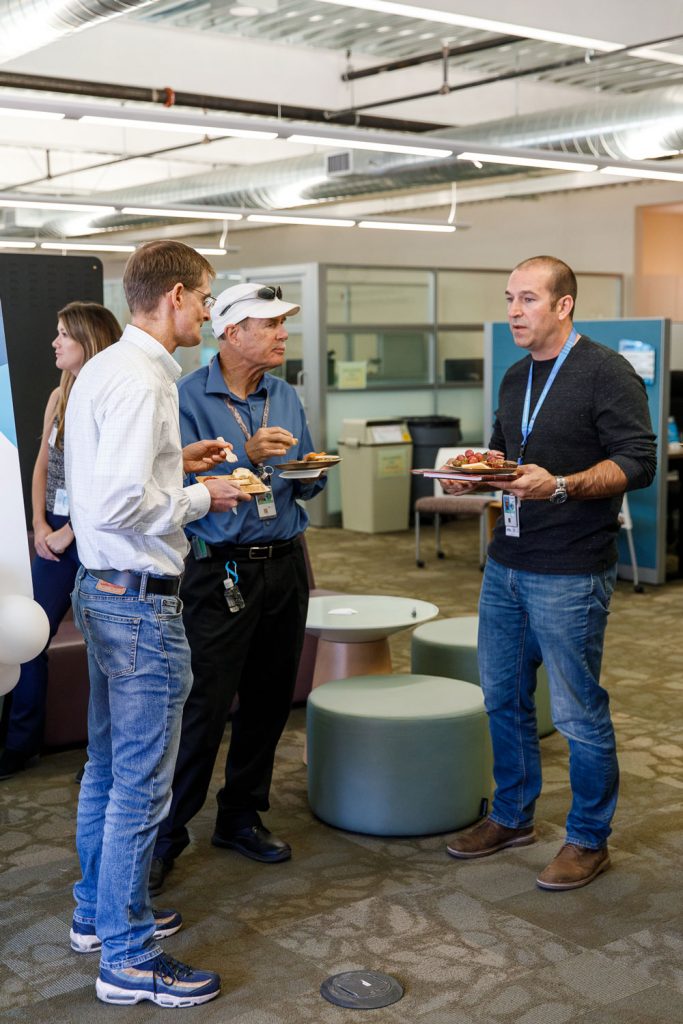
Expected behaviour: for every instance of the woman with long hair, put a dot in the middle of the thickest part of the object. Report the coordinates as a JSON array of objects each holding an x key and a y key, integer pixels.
[{"x": 83, "y": 330}]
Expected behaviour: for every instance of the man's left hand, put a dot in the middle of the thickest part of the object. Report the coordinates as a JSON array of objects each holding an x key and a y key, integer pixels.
[
  {"x": 532, "y": 483},
  {"x": 202, "y": 455}
]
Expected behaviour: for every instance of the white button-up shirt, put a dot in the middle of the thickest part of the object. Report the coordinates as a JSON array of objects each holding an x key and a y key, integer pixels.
[{"x": 123, "y": 460}]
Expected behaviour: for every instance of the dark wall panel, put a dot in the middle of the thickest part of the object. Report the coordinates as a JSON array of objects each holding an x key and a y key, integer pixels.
[{"x": 32, "y": 289}]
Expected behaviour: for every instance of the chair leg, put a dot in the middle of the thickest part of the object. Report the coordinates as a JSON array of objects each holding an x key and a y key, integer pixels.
[
  {"x": 418, "y": 561},
  {"x": 437, "y": 536}
]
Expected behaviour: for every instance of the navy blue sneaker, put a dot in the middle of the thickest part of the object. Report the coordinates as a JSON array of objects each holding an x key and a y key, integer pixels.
[
  {"x": 85, "y": 940},
  {"x": 161, "y": 979}
]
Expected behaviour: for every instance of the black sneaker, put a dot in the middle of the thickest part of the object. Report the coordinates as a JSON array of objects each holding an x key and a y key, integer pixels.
[
  {"x": 11, "y": 762},
  {"x": 161, "y": 979}
]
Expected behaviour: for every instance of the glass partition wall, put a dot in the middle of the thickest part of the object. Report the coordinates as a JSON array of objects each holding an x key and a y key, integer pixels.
[{"x": 385, "y": 342}]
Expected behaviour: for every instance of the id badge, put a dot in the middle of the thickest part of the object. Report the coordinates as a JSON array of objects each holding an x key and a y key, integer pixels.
[
  {"x": 511, "y": 515},
  {"x": 61, "y": 506},
  {"x": 265, "y": 504}
]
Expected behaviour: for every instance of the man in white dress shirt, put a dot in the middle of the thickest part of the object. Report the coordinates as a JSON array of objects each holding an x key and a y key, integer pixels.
[{"x": 124, "y": 473}]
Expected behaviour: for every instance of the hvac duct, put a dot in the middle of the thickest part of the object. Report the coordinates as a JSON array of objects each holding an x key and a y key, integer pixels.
[
  {"x": 30, "y": 24},
  {"x": 621, "y": 128},
  {"x": 626, "y": 128}
]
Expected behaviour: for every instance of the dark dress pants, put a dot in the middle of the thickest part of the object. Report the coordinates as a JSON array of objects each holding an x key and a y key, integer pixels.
[
  {"x": 254, "y": 654},
  {"x": 52, "y": 586}
]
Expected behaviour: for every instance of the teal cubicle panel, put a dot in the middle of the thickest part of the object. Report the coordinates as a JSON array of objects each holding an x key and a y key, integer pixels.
[{"x": 647, "y": 507}]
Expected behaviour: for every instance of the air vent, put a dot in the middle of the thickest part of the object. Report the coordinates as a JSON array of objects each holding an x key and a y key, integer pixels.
[{"x": 339, "y": 163}]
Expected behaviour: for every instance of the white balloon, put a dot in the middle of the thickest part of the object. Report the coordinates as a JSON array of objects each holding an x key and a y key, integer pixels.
[
  {"x": 9, "y": 677},
  {"x": 24, "y": 629}
]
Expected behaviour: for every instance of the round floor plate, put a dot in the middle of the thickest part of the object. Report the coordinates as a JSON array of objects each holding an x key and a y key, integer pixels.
[{"x": 361, "y": 990}]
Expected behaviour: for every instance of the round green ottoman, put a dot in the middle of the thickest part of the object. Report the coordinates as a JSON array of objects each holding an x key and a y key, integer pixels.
[
  {"x": 448, "y": 647},
  {"x": 401, "y": 755}
]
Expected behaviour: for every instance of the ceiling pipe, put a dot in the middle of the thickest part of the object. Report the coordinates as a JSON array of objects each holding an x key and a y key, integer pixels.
[
  {"x": 428, "y": 58},
  {"x": 168, "y": 97},
  {"x": 29, "y": 24},
  {"x": 506, "y": 76}
]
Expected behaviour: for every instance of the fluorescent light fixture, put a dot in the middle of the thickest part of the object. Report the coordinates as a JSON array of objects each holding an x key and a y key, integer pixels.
[
  {"x": 176, "y": 126},
  {"x": 211, "y": 252},
  {"x": 527, "y": 161},
  {"x": 637, "y": 172},
  {"x": 47, "y": 115},
  {"x": 150, "y": 211},
  {"x": 39, "y": 204},
  {"x": 398, "y": 225},
  {"x": 377, "y": 147},
  {"x": 8, "y": 243},
  {"x": 650, "y": 53},
  {"x": 321, "y": 222},
  {"x": 484, "y": 24},
  {"x": 87, "y": 247}
]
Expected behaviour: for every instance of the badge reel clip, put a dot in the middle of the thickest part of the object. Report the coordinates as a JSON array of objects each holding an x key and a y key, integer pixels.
[{"x": 233, "y": 595}]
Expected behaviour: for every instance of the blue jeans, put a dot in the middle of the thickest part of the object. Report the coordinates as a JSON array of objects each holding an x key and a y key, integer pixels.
[
  {"x": 139, "y": 663},
  {"x": 52, "y": 585},
  {"x": 526, "y": 618}
]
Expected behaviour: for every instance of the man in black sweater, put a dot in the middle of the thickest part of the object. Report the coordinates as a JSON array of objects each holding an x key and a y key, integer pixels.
[{"x": 574, "y": 414}]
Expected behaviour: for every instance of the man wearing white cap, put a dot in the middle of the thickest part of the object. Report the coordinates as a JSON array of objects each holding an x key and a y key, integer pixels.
[{"x": 245, "y": 589}]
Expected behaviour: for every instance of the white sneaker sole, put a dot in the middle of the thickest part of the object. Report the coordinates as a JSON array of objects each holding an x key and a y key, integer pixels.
[
  {"x": 108, "y": 993},
  {"x": 92, "y": 944}
]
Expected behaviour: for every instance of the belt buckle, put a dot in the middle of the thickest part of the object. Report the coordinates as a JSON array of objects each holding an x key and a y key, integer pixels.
[{"x": 256, "y": 549}]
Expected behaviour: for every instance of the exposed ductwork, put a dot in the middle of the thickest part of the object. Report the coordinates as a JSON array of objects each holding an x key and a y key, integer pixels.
[
  {"x": 624, "y": 128},
  {"x": 621, "y": 128},
  {"x": 29, "y": 24}
]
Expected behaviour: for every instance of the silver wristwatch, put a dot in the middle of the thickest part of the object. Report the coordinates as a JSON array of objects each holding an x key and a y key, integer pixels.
[{"x": 560, "y": 493}]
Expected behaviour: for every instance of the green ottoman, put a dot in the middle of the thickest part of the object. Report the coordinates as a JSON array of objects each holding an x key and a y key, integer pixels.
[
  {"x": 448, "y": 647},
  {"x": 401, "y": 755}
]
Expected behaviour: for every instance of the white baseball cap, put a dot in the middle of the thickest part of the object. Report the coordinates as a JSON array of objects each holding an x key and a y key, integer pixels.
[{"x": 250, "y": 298}]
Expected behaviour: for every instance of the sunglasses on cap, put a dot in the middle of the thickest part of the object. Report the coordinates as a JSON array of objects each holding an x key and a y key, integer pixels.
[{"x": 266, "y": 292}]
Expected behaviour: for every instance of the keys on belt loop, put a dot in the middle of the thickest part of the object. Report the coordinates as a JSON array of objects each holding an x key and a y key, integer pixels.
[{"x": 232, "y": 593}]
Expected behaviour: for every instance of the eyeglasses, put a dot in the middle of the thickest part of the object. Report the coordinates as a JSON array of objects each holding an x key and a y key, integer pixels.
[
  {"x": 208, "y": 301},
  {"x": 266, "y": 292}
]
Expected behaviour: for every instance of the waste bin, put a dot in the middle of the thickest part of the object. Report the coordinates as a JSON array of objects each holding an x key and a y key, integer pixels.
[
  {"x": 375, "y": 475},
  {"x": 429, "y": 433}
]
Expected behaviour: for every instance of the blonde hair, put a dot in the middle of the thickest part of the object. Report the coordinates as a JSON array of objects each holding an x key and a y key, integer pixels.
[{"x": 94, "y": 328}]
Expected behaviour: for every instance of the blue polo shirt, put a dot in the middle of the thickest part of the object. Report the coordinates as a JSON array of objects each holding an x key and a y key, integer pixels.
[{"x": 204, "y": 414}]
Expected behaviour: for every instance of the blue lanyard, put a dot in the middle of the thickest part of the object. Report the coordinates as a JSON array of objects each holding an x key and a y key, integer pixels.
[{"x": 528, "y": 424}]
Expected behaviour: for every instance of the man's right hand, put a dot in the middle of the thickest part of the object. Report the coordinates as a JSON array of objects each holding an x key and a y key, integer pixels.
[{"x": 224, "y": 495}]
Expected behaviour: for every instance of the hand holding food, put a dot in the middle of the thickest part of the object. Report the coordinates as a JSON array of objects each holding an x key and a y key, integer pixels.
[
  {"x": 268, "y": 442},
  {"x": 225, "y": 493},
  {"x": 202, "y": 455},
  {"x": 530, "y": 483}
]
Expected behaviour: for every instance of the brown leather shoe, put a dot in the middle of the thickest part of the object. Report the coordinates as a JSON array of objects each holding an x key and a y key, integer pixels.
[
  {"x": 573, "y": 867},
  {"x": 488, "y": 837}
]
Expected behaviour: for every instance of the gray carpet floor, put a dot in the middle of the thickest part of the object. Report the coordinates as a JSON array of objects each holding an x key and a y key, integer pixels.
[{"x": 472, "y": 943}]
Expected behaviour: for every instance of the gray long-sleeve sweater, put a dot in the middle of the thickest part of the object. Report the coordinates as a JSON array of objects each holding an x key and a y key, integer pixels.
[{"x": 596, "y": 409}]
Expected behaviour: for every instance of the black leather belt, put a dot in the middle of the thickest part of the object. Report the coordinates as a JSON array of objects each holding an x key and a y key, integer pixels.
[
  {"x": 169, "y": 585},
  {"x": 252, "y": 552}
]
